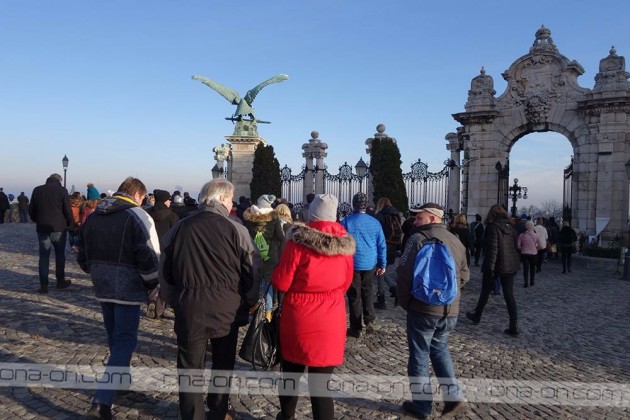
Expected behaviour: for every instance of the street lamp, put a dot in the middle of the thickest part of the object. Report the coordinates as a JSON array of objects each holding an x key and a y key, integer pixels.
[
  {"x": 516, "y": 190},
  {"x": 216, "y": 171},
  {"x": 64, "y": 162},
  {"x": 361, "y": 169}
]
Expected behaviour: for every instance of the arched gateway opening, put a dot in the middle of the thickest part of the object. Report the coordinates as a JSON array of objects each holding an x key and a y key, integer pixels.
[{"x": 543, "y": 95}]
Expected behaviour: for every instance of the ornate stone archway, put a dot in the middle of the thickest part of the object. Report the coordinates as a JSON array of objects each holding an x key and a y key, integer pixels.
[{"x": 542, "y": 95}]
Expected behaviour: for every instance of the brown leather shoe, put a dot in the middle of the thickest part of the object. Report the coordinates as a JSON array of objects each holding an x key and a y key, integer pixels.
[{"x": 452, "y": 408}]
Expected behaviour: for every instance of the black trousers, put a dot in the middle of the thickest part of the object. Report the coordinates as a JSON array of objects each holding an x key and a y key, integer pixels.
[
  {"x": 487, "y": 285},
  {"x": 191, "y": 354},
  {"x": 478, "y": 248},
  {"x": 529, "y": 267},
  {"x": 323, "y": 406},
  {"x": 360, "y": 300},
  {"x": 565, "y": 254},
  {"x": 539, "y": 260}
]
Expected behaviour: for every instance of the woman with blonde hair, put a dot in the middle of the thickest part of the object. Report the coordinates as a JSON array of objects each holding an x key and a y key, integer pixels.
[
  {"x": 284, "y": 214},
  {"x": 528, "y": 244}
]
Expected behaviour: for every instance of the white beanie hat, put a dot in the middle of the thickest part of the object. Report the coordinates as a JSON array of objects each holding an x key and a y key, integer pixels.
[
  {"x": 265, "y": 201},
  {"x": 324, "y": 207}
]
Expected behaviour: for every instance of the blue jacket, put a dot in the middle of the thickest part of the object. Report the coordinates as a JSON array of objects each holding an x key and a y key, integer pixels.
[{"x": 368, "y": 234}]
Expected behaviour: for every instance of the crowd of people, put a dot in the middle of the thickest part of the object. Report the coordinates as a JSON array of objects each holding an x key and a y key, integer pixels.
[{"x": 212, "y": 261}]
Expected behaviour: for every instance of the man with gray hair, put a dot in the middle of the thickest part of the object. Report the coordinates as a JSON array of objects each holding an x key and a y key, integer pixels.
[
  {"x": 50, "y": 210},
  {"x": 209, "y": 275}
]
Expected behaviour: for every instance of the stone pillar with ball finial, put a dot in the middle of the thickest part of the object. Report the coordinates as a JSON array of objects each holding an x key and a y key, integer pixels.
[{"x": 314, "y": 149}]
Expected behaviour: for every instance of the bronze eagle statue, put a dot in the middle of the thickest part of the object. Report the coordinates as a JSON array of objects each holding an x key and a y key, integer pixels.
[{"x": 243, "y": 105}]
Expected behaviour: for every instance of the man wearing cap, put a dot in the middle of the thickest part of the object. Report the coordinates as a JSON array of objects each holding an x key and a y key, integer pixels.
[
  {"x": 428, "y": 326},
  {"x": 164, "y": 219},
  {"x": 161, "y": 212},
  {"x": 369, "y": 259}
]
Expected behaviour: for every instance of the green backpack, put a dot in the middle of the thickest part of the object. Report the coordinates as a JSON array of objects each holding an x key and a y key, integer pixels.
[{"x": 262, "y": 245}]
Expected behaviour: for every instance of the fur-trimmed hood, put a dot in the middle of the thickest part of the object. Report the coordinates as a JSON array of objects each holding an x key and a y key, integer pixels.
[
  {"x": 259, "y": 216},
  {"x": 322, "y": 242}
]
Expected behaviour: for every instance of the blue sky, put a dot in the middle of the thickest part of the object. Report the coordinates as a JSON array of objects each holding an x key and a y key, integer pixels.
[{"x": 109, "y": 83}]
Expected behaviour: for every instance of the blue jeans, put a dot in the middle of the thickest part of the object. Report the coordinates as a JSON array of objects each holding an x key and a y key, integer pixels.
[
  {"x": 121, "y": 324},
  {"x": 427, "y": 338},
  {"x": 23, "y": 216},
  {"x": 47, "y": 241},
  {"x": 267, "y": 290}
]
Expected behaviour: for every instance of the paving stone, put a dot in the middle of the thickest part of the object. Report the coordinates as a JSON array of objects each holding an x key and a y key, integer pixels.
[{"x": 574, "y": 329}]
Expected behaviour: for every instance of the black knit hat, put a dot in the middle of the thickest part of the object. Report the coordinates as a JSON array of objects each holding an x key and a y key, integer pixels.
[
  {"x": 360, "y": 201},
  {"x": 161, "y": 196}
]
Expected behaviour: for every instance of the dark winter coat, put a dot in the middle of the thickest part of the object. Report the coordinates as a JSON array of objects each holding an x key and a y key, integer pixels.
[
  {"x": 50, "y": 207},
  {"x": 314, "y": 271},
  {"x": 119, "y": 249},
  {"x": 4, "y": 201},
  {"x": 384, "y": 217},
  {"x": 500, "y": 255},
  {"x": 406, "y": 266},
  {"x": 22, "y": 202},
  {"x": 566, "y": 238},
  {"x": 463, "y": 233},
  {"x": 163, "y": 217},
  {"x": 267, "y": 222},
  {"x": 209, "y": 273}
]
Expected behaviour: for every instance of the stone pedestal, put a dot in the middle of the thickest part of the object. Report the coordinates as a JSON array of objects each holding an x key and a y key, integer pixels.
[{"x": 244, "y": 141}]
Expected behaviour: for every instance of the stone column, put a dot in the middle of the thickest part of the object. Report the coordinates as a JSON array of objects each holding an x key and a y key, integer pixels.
[
  {"x": 244, "y": 142},
  {"x": 455, "y": 169},
  {"x": 314, "y": 149}
]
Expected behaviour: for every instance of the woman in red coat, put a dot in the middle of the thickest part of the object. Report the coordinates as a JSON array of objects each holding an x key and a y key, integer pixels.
[{"x": 314, "y": 272}]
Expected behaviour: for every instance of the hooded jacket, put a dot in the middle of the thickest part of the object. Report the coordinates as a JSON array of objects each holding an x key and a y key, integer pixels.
[
  {"x": 163, "y": 217},
  {"x": 50, "y": 207},
  {"x": 406, "y": 266},
  {"x": 209, "y": 273},
  {"x": 119, "y": 248},
  {"x": 267, "y": 222},
  {"x": 314, "y": 272},
  {"x": 500, "y": 255}
]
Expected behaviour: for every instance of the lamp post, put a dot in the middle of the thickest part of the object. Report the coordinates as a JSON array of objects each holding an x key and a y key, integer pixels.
[
  {"x": 217, "y": 172},
  {"x": 517, "y": 193},
  {"x": 361, "y": 169},
  {"x": 64, "y": 162}
]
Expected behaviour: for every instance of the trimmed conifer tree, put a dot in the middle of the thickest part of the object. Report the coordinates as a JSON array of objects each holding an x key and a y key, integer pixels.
[
  {"x": 387, "y": 177},
  {"x": 265, "y": 173}
]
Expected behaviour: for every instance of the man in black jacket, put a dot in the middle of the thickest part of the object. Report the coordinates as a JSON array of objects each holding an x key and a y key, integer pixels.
[
  {"x": 50, "y": 210},
  {"x": 4, "y": 205},
  {"x": 209, "y": 275},
  {"x": 119, "y": 249}
]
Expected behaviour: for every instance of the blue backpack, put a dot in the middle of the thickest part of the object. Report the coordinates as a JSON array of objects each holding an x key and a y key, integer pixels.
[{"x": 434, "y": 274}]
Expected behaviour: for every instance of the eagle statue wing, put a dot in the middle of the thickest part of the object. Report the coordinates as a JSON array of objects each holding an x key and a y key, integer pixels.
[
  {"x": 226, "y": 92},
  {"x": 251, "y": 94}
]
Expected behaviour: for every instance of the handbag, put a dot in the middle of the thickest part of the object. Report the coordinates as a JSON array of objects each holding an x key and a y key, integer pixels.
[
  {"x": 260, "y": 346},
  {"x": 549, "y": 246}
]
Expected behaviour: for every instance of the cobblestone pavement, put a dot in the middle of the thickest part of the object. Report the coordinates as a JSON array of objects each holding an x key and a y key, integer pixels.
[{"x": 574, "y": 329}]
